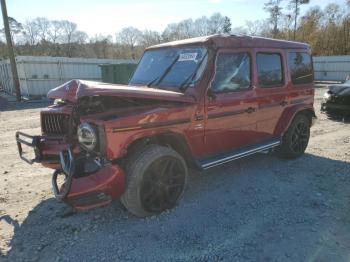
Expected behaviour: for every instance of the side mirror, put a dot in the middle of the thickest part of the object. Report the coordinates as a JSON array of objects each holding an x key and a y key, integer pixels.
[{"x": 211, "y": 94}]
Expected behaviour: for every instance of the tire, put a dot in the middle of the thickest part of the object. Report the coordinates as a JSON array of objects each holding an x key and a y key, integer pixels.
[
  {"x": 296, "y": 139},
  {"x": 156, "y": 178}
]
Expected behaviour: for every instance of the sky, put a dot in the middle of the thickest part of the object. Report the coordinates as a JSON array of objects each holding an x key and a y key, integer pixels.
[{"x": 107, "y": 17}]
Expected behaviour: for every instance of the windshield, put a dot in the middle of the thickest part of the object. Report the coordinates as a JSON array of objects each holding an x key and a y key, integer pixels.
[{"x": 171, "y": 68}]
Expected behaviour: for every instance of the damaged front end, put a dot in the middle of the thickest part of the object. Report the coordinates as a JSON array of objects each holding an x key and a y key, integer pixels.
[
  {"x": 57, "y": 128},
  {"x": 74, "y": 138},
  {"x": 82, "y": 176},
  {"x": 88, "y": 179}
]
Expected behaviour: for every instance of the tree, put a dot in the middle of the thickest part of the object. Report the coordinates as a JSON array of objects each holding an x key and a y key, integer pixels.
[
  {"x": 273, "y": 7},
  {"x": 55, "y": 32},
  {"x": 286, "y": 25},
  {"x": 71, "y": 35},
  {"x": 294, "y": 5},
  {"x": 226, "y": 27},
  {"x": 333, "y": 13},
  {"x": 310, "y": 27},
  {"x": 219, "y": 24},
  {"x": 254, "y": 27},
  {"x": 68, "y": 29},
  {"x": 185, "y": 29},
  {"x": 201, "y": 26},
  {"x": 43, "y": 26},
  {"x": 149, "y": 38},
  {"x": 129, "y": 36},
  {"x": 31, "y": 32},
  {"x": 16, "y": 28},
  {"x": 101, "y": 46},
  {"x": 171, "y": 33}
]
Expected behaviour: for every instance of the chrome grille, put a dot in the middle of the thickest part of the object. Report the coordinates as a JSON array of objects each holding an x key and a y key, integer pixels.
[{"x": 54, "y": 124}]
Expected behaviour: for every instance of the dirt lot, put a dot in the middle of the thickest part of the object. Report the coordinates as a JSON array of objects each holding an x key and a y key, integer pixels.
[{"x": 260, "y": 208}]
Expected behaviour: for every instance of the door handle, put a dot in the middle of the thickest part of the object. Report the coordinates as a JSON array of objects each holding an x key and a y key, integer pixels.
[
  {"x": 250, "y": 110},
  {"x": 284, "y": 103},
  {"x": 199, "y": 117}
]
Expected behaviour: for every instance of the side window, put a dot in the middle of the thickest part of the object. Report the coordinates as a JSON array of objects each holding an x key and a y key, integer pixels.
[
  {"x": 232, "y": 72},
  {"x": 300, "y": 67},
  {"x": 270, "y": 73}
]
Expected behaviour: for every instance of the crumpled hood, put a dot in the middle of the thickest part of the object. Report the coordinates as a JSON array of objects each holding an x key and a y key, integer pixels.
[
  {"x": 75, "y": 89},
  {"x": 340, "y": 90}
]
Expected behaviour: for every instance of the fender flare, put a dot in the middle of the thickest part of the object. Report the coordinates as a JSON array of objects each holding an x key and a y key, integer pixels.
[
  {"x": 288, "y": 116},
  {"x": 173, "y": 138}
]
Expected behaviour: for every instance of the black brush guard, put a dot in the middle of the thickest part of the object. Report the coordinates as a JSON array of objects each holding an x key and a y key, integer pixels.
[
  {"x": 30, "y": 141},
  {"x": 67, "y": 161},
  {"x": 68, "y": 167}
]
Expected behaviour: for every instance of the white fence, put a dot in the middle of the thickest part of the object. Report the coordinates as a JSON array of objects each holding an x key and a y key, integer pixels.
[
  {"x": 331, "y": 68},
  {"x": 39, "y": 74}
]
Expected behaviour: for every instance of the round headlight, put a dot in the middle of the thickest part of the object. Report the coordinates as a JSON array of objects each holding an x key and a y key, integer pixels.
[{"x": 87, "y": 136}]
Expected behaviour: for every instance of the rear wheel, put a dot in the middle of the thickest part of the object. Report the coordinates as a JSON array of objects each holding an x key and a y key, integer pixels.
[
  {"x": 296, "y": 139},
  {"x": 156, "y": 179}
]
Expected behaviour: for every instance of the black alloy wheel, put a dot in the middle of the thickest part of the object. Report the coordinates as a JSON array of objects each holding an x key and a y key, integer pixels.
[
  {"x": 296, "y": 139},
  {"x": 162, "y": 184},
  {"x": 156, "y": 178},
  {"x": 300, "y": 137}
]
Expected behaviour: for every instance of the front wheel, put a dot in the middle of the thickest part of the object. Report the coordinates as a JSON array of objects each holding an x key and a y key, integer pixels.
[
  {"x": 296, "y": 139},
  {"x": 156, "y": 179}
]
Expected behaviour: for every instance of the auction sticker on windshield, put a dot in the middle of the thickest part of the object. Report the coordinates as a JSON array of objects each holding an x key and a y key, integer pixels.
[{"x": 188, "y": 57}]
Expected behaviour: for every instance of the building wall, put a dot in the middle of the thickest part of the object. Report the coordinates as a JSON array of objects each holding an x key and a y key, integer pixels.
[{"x": 331, "y": 68}]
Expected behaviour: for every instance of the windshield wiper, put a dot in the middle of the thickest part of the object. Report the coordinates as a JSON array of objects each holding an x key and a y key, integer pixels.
[
  {"x": 149, "y": 84},
  {"x": 160, "y": 78},
  {"x": 185, "y": 84}
]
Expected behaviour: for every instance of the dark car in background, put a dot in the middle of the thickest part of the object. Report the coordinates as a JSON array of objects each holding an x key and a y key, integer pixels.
[{"x": 336, "y": 101}]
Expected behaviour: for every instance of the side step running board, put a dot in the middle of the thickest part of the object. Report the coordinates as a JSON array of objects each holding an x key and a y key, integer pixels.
[{"x": 208, "y": 163}]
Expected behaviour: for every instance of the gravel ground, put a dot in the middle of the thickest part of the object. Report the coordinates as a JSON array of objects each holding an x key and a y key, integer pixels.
[{"x": 259, "y": 208}]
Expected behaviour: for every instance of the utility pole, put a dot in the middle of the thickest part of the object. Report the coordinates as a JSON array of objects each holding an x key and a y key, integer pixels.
[{"x": 11, "y": 51}]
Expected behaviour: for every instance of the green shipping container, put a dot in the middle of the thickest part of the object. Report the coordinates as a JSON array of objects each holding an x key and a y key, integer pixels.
[{"x": 117, "y": 73}]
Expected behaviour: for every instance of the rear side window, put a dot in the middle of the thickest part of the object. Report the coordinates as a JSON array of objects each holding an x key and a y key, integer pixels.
[
  {"x": 270, "y": 72},
  {"x": 300, "y": 67}
]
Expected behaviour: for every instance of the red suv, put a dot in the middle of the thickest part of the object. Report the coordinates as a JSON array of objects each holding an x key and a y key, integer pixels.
[{"x": 193, "y": 103}]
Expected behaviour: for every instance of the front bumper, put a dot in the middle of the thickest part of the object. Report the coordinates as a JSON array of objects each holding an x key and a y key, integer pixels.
[
  {"x": 335, "y": 108},
  {"x": 46, "y": 149},
  {"x": 31, "y": 141},
  {"x": 82, "y": 189}
]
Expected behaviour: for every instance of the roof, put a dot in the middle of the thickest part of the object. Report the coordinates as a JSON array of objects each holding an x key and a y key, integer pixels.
[{"x": 227, "y": 41}]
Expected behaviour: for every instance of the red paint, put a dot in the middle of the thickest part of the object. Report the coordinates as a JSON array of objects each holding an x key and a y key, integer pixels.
[
  {"x": 75, "y": 89},
  {"x": 191, "y": 116},
  {"x": 109, "y": 180}
]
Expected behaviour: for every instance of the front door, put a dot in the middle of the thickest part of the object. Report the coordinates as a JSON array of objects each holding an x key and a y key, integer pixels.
[{"x": 231, "y": 104}]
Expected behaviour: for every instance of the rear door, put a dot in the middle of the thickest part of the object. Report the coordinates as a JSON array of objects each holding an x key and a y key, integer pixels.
[
  {"x": 271, "y": 90},
  {"x": 301, "y": 77}
]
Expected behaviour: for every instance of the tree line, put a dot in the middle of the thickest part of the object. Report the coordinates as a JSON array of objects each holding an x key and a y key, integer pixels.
[
  {"x": 327, "y": 30},
  {"x": 44, "y": 37}
]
